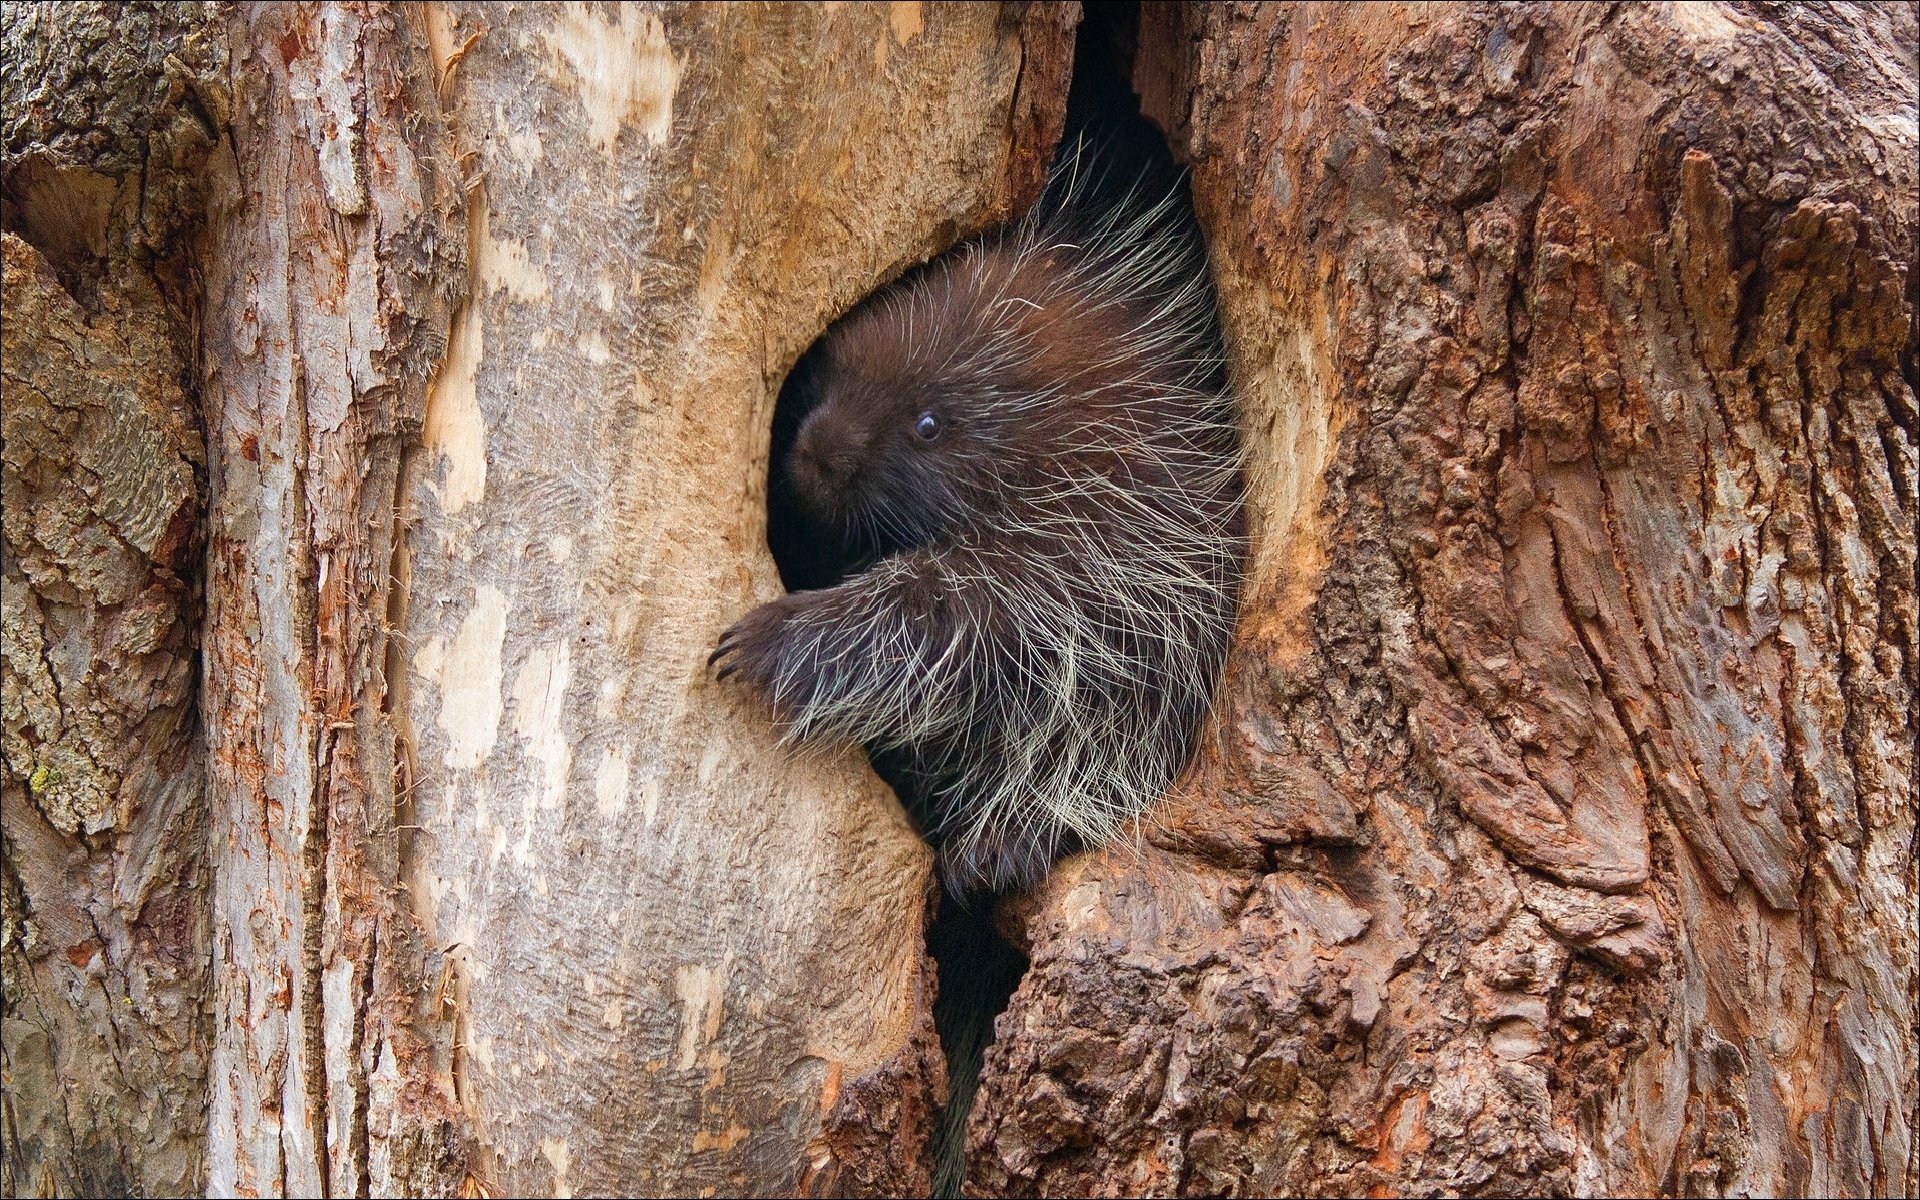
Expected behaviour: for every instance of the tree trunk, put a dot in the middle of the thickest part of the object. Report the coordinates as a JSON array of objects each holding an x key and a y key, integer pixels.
[
  {"x": 483, "y": 835},
  {"x": 104, "y": 935},
  {"x": 1555, "y": 830}
]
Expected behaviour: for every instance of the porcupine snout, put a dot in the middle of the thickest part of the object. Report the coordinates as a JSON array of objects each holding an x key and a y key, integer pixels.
[{"x": 826, "y": 459}]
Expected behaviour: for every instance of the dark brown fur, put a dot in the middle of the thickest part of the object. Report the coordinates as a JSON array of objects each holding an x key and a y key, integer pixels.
[{"x": 1040, "y": 591}]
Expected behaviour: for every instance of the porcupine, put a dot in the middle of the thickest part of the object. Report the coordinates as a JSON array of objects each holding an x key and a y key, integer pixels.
[
  {"x": 1018, "y": 474},
  {"x": 1024, "y": 463}
]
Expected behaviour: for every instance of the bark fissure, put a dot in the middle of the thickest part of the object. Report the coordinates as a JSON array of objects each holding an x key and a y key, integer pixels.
[
  {"x": 338, "y": 189},
  {"x": 1555, "y": 832},
  {"x": 313, "y": 903},
  {"x": 103, "y": 916},
  {"x": 1545, "y": 334}
]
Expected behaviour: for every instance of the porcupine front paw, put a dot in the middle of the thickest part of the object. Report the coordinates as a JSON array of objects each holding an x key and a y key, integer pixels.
[{"x": 751, "y": 647}]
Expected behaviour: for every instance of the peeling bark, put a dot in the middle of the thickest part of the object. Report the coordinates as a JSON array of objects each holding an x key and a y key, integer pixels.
[
  {"x": 103, "y": 908},
  {"x": 331, "y": 256},
  {"x": 1557, "y": 832}
]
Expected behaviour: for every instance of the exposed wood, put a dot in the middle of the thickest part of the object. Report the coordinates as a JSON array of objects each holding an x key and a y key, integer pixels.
[
  {"x": 1558, "y": 832},
  {"x": 680, "y": 959}
]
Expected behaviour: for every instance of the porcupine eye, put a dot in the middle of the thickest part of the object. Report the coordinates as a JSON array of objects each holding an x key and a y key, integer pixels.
[{"x": 927, "y": 428}]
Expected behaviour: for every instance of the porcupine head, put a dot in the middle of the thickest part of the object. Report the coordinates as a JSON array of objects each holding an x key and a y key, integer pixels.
[{"x": 1022, "y": 467}]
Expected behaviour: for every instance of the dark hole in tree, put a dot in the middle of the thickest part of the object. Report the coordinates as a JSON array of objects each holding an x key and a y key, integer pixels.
[{"x": 979, "y": 968}]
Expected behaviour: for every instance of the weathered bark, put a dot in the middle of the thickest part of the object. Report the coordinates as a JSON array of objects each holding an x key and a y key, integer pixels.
[
  {"x": 438, "y": 965},
  {"x": 678, "y": 960},
  {"x": 1557, "y": 832},
  {"x": 330, "y": 259},
  {"x": 1556, "y": 829},
  {"x": 104, "y": 932}
]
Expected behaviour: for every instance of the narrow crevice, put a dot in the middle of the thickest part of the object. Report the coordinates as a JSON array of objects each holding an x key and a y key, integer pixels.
[
  {"x": 359, "y": 1137},
  {"x": 978, "y": 968},
  {"x": 310, "y": 1015}
]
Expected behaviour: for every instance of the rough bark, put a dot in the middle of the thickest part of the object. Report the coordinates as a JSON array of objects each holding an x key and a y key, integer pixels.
[
  {"x": 330, "y": 260},
  {"x": 678, "y": 959},
  {"x": 1557, "y": 832},
  {"x": 1556, "y": 829},
  {"x": 108, "y": 116}
]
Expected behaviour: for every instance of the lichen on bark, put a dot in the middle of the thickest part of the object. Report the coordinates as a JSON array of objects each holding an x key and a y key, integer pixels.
[
  {"x": 107, "y": 114},
  {"x": 103, "y": 481}
]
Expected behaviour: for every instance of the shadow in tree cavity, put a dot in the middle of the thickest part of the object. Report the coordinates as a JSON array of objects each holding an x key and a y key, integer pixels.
[{"x": 978, "y": 968}]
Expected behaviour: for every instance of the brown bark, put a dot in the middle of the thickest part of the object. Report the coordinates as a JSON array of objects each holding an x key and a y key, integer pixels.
[
  {"x": 679, "y": 959},
  {"x": 104, "y": 932},
  {"x": 330, "y": 258},
  {"x": 1557, "y": 832}
]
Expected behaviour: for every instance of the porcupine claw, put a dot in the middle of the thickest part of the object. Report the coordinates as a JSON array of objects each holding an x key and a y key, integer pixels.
[
  {"x": 744, "y": 647},
  {"x": 729, "y": 644}
]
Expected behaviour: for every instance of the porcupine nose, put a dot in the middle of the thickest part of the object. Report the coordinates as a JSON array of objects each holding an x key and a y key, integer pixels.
[
  {"x": 816, "y": 466},
  {"x": 812, "y": 474}
]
